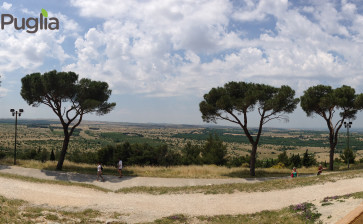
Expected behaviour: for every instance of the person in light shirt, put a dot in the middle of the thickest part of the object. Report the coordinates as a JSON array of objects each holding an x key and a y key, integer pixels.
[
  {"x": 119, "y": 166},
  {"x": 99, "y": 172}
]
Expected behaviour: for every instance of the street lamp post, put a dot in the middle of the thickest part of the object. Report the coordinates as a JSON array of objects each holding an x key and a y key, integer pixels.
[
  {"x": 348, "y": 125},
  {"x": 16, "y": 113}
]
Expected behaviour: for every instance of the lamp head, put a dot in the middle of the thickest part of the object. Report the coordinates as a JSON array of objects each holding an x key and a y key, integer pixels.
[
  {"x": 12, "y": 110},
  {"x": 21, "y": 110}
]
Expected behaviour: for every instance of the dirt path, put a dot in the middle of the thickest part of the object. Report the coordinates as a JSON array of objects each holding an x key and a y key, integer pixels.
[
  {"x": 113, "y": 183},
  {"x": 145, "y": 207}
]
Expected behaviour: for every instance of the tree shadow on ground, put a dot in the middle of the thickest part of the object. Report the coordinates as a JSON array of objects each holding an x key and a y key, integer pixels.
[{"x": 85, "y": 175}]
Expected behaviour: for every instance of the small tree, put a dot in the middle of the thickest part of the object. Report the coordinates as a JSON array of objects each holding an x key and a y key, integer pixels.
[
  {"x": 283, "y": 158},
  {"x": 325, "y": 101},
  {"x": 308, "y": 159},
  {"x": 214, "y": 151},
  {"x": 240, "y": 98},
  {"x": 348, "y": 154},
  {"x": 191, "y": 154},
  {"x": 52, "y": 156},
  {"x": 295, "y": 160},
  {"x": 68, "y": 98}
]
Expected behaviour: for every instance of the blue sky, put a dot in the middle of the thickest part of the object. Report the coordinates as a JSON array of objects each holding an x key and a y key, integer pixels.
[{"x": 159, "y": 57}]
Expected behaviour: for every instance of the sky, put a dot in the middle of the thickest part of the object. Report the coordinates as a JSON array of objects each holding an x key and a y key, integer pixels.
[{"x": 160, "y": 57}]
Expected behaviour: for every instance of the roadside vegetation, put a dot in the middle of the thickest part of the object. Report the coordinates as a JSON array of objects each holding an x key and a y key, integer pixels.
[{"x": 18, "y": 211}]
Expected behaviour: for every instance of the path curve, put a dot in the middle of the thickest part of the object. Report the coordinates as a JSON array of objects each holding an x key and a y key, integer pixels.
[
  {"x": 145, "y": 207},
  {"x": 114, "y": 183}
]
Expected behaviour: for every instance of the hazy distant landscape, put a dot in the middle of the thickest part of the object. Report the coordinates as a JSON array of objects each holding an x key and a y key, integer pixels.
[{"x": 91, "y": 136}]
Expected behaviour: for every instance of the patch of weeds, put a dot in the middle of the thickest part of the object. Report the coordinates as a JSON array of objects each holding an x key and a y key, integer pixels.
[
  {"x": 179, "y": 218},
  {"x": 339, "y": 198},
  {"x": 307, "y": 212},
  {"x": 329, "y": 217},
  {"x": 52, "y": 217},
  {"x": 358, "y": 195},
  {"x": 326, "y": 203},
  {"x": 91, "y": 213}
]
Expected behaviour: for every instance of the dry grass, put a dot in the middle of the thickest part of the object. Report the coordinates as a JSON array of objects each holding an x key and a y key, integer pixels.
[
  {"x": 211, "y": 171},
  {"x": 203, "y": 172}
]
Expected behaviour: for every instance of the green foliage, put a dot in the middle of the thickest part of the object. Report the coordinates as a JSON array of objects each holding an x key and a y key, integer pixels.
[
  {"x": 43, "y": 155},
  {"x": 243, "y": 97},
  {"x": 308, "y": 159},
  {"x": 295, "y": 160},
  {"x": 214, "y": 151},
  {"x": 238, "y": 161},
  {"x": 52, "y": 156},
  {"x": 138, "y": 154},
  {"x": 2, "y": 155},
  {"x": 283, "y": 158},
  {"x": 320, "y": 99},
  {"x": 240, "y": 98},
  {"x": 191, "y": 154},
  {"x": 317, "y": 99},
  {"x": 59, "y": 90},
  {"x": 348, "y": 154},
  {"x": 324, "y": 101}
]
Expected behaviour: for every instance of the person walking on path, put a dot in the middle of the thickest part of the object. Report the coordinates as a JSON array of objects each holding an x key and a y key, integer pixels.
[
  {"x": 119, "y": 166},
  {"x": 294, "y": 173},
  {"x": 99, "y": 172},
  {"x": 320, "y": 169}
]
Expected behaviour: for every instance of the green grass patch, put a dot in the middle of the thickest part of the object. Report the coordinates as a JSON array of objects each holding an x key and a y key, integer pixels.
[
  {"x": 283, "y": 216},
  {"x": 358, "y": 195},
  {"x": 326, "y": 203}
]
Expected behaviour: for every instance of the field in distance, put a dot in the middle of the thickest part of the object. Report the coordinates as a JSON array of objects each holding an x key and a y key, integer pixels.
[{"x": 92, "y": 136}]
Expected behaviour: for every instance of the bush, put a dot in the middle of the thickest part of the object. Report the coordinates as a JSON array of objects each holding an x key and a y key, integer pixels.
[
  {"x": 2, "y": 155},
  {"x": 295, "y": 160},
  {"x": 348, "y": 154},
  {"x": 283, "y": 158},
  {"x": 191, "y": 155},
  {"x": 308, "y": 159},
  {"x": 280, "y": 165},
  {"x": 52, "y": 156},
  {"x": 214, "y": 151}
]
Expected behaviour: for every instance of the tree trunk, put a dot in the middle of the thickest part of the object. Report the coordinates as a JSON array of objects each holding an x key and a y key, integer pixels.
[
  {"x": 253, "y": 160},
  {"x": 332, "y": 149},
  {"x": 63, "y": 152},
  {"x": 331, "y": 159}
]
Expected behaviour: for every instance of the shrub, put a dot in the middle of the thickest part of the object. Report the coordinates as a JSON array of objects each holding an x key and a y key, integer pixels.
[
  {"x": 308, "y": 159},
  {"x": 348, "y": 154},
  {"x": 2, "y": 155},
  {"x": 280, "y": 165},
  {"x": 283, "y": 158},
  {"x": 214, "y": 151}
]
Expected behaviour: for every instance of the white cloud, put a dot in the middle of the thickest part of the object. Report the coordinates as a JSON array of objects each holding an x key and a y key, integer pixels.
[
  {"x": 166, "y": 48},
  {"x": 6, "y": 6},
  {"x": 29, "y": 51},
  {"x": 259, "y": 10}
]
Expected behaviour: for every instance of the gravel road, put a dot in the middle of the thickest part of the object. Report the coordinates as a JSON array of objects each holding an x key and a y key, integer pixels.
[{"x": 145, "y": 207}]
